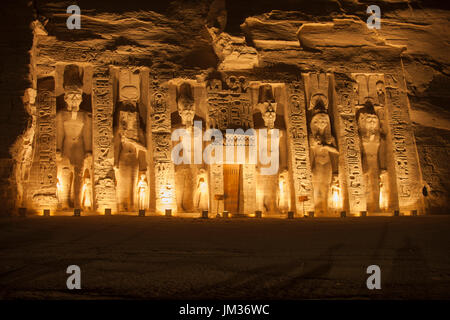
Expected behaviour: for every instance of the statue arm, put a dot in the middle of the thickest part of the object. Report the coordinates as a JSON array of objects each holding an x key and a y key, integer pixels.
[
  {"x": 87, "y": 134},
  {"x": 142, "y": 138},
  {"x": 332, "y": 149},
  {"x": 139, "y": 146},
  {"x": 382, "y": 155},
  {"x": 59, "y": 132},
  {"x": 117, "y": 147}
]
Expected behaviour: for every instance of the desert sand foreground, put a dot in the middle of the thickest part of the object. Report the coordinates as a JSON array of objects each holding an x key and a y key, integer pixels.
[{"x": 128, "y": 257}]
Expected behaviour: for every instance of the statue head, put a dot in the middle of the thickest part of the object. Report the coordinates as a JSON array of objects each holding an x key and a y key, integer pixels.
[
  {"x": 30, "y": 95},
  {"x": 267, "y": 105},
  {"x": 269, "y": 116},
  {"x": 380, "y": 92},
  {"x": 73, "y": 99},
  {"x": 380, "y": 87},
  {"x": 186, "y": 104},
  {"x": 73, "y": 87},
  {"x": 29, "y": 100},
  {"x": 321, "y": 127},
  {"x": 368, "y": 121},
  {"x": 128, "y": 124}
]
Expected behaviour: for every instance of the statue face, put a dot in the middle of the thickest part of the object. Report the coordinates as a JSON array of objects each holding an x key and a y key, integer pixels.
[
  {"x": 380, "y": 90},
  {"x": 186, "y": 111},
  {"x": 127, "y": 121},
  {"x": 73, "y": 100},
  {"x": 269, "y": 115},
  {"x": 31, "y": 95},
  {"x": 320, "y": 121},
  {"x": 371, "y": 122}
]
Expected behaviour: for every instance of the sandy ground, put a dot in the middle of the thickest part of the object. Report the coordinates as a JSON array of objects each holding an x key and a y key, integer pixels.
[{"x": 129, "y": 257}]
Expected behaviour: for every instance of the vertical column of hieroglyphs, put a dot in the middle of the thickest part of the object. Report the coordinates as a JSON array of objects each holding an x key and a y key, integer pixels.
[
  {"x": 248, "y": 193},
  {"x": 217, "y": 100},
  {"x": 161, "y": 148},
  {"x": 350, "y": 150},
  {"x": 404, "y": 147},
  {"x": 43, "y": 174},
  {"x": 103, "y": 147},
  {"x": 297, "y": 138}
]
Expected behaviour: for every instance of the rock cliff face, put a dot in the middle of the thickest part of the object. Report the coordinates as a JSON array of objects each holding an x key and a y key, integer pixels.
[{"x": 195, "y": 37}]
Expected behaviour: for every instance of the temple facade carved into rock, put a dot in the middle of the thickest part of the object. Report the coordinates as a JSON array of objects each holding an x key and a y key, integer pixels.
[{"x": 102, "y": 129}]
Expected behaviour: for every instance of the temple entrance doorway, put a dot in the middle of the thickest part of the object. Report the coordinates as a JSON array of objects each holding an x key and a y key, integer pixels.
[{"x": 231, "y": 178}]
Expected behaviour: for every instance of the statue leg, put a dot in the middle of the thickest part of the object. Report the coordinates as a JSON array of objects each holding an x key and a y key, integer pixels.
[
  {"x": 123, "y": 186},
  {"x": 132, "y": 191},
  {"x": 373, "y": 198},
  {"x": 65, "y": 186},
  {"x": 77, "y": 187}
]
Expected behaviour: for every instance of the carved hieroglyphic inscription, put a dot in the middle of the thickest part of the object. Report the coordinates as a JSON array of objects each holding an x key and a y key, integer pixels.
[
  {"x": 160, "y": 115},
  {"x": 216, "y": 187},
  {"x": 349, "y": 141},
  {"x": 404, "y": 149},
  {"x": 161, "y": 150},
  {"x": 229, "y": 108},
  {"x": 350, "y": 153},
  {"x": 67, "y": 53},
  {"x": 44, "y": 171},
  {"x": 298, "y": 146},
  {"x": 248, "y": 191},
  {"x": 103, "y": 152}
]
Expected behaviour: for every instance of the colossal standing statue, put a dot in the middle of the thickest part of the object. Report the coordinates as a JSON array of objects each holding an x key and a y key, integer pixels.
[
  {"x": 129, "y": 141},
  {"x": 22, "y": 150},
  {"x": 185, "y": 104},
  {"x": 73, "y": 139},
  {"x": 322, "y": 148},
  {"x": 267, "y": 105},
  {"x": 372, "y": 157}
]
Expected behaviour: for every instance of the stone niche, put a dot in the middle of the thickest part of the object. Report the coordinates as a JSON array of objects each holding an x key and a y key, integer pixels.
[{"x": 108, "y": 131}]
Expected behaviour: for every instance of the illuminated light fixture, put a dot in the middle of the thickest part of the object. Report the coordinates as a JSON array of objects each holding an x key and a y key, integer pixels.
[
  {"x": 225, "y": 214},
  {"x": 290, "y": 214},
  {"x": 76, "y": 212},
  {"x": 168, "y": 212},
  {"x": 311, "y": 214},
  {"x": 107, "y": 211},
  {"x": 46, "y": 212},
  {"x": 414, "y": 212},
  {"x": 205, "y": 214},
  {"x": 23, "y": 212},
  {"x": 396, "y": 213},
  {"x": 258, "y": 214},
  {"x": 141, "y": 212},
  {"x": 343, "y": 214},
  {"x": 363, "y": 213}
]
